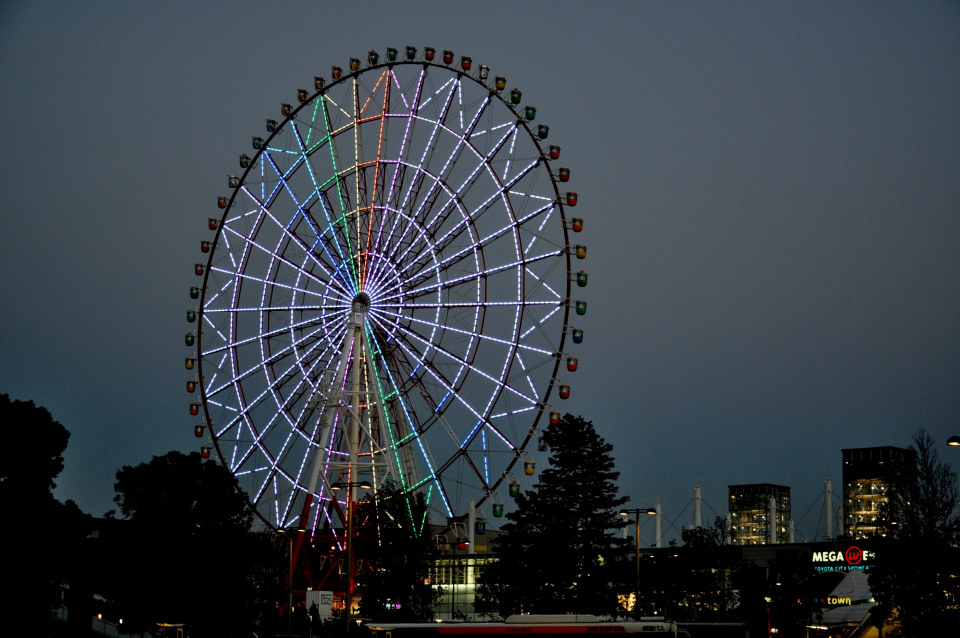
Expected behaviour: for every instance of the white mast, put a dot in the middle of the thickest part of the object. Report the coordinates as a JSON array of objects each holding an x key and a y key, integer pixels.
[
  {"x": 772, "y": 521},
  {"x": 828, "y": 507},
  {"x": 471, "y": 527},
  {"x": 657, "y": 530},
  {"x": 697, "y": 516}
]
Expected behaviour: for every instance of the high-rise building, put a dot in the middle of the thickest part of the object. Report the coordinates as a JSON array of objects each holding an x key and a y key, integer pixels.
[
  {"x": 866, "y": 479},
  {"x": 750, "y": 514}
]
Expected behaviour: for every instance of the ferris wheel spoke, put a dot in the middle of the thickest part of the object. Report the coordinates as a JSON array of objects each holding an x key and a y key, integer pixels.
[
  {"x": 377, "y": 173},
  {"x": 513, "y": 146},
  {"x": 475, "y": 335},
  {"x": 475, "y": 214},
  {"x": 243, "y": 375},
  {"x": 323, "y": 204},
  {"x": 425, "y": 274},
  {"x": 274, "y": 284},
  {"x": 453, "y": 283},
  {"x": 264, "y": 335},
  {"x": 432, "y": 371},
  {"x": 454, "y": 195},
  {"x": 300, "y": 211},
  {"x": 333, "y": 280},
  {"x": 258, "y": 437},
  {"x": 408, "y": 132},
  {"x": 424, "y": 208},
  {"x": 344, "y": 208},
  {"x": 416, "y": 435},
  {"x": 463, "y": 362},
  {"x": 430, "y": 146}
]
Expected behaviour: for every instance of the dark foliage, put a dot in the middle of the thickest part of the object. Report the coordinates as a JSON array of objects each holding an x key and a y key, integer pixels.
[
  {"x": 915, "y": 580},
  {"x": 694, "y": 581},
  {"x": 195, "y": 560},
  {"x": 395, "y": 561},
  {"x": 561, "y": 551},
  {"x": 46, "y": 531}
]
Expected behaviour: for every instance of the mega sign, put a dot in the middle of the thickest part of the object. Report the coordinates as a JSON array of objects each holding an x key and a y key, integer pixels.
[{"x": 842, "y": 560}]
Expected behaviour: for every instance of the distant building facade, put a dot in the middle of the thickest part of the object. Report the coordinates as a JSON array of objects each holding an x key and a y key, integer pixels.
[
  {"x": 866, "y": 480},
  {"x": 750, "y": 520}
]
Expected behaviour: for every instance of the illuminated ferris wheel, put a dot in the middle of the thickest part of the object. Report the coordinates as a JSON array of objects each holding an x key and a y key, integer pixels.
[{"x": 387, "y": 293}]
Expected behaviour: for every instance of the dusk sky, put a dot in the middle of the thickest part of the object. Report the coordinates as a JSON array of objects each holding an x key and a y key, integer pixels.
[{"x": 772, "y": 196}]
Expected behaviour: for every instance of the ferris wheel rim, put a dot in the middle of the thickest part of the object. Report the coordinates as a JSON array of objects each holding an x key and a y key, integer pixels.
[{"x": 289, "y": 120}]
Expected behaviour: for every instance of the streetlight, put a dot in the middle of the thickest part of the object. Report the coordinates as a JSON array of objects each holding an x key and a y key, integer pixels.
[
  {"x": 636, "y": 535},
  {"x": 336, "y": 487},
  {"x": 954, "y": 441}
]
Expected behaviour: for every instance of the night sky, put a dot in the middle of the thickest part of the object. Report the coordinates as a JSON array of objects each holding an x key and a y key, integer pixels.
[{"x": 771, "y": 191}]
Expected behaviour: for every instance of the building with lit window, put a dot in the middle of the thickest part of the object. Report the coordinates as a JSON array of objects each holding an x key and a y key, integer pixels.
[
  {"x": 750, "y": 510},
  {"x": 866, "y": 479}
]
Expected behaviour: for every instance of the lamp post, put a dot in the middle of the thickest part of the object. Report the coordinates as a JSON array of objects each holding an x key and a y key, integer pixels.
[
  {"x": 298, "y": 530},
  {"x": 636, "y": 535},
  {"x": 336, "y": 487}
]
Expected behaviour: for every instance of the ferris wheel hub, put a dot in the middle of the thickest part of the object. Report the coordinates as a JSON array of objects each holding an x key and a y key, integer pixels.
[{"x": 361, "y": 303}]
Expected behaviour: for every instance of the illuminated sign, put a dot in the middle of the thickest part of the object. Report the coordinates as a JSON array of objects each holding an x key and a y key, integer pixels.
[{"x": 843, "y": 559}]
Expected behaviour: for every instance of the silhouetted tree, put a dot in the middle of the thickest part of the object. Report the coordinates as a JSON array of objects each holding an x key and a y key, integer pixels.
[
  {"x": 196, "y": 560},
  {"x": 394, "y": 575},
  {"x": 561, "y": 551},
  {"x": 40, "y": 531},
  {"x": 915, "y": 575}
]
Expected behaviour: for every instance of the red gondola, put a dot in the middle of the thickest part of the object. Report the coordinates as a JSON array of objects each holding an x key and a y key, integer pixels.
[
  {"x": 221, "y": 202},
  {"x": 429, "y": 53},
  {"x": 286, "y": 109},
  {"x": 318, "y": 82},
  {"x": 554, "y": 418},
  {"x": 198, "y": 431},
  {"x": 571, "y": 198},
  {"x": 302, "y": 95},
  {"x": 205, "y": 246},
  {"x": 577, "y": 224},
  {"x": 204, "y": 452},
  {"x": 213, "y": 223},
  {"x": 448, "y": 57},
  {"x": 336, "y": 72},
  {"x": 198, "y": 268},
  {"x": 564, "y": 392},
  {"x": 571, "y": 364},
  {"x": 194, "y": 409},
  {"x": 554, "y": 152},
  {"x": 466, "y": 63},
  {"x": 564, "y": 174}
]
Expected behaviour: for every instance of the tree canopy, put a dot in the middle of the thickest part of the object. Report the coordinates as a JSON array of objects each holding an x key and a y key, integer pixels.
[
  {"x": 561, "y": 552},
  {"x": 919, "y": 589},
  {"x": 196, "y": 560},
  {"x": 29, "y": 587}
]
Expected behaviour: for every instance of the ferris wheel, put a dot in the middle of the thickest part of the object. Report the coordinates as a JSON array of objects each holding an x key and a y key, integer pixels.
[{"x": 386, "y": 295}]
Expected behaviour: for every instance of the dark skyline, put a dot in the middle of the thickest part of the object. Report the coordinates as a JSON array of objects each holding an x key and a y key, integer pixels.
[{"x": 770, "y": 193}]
